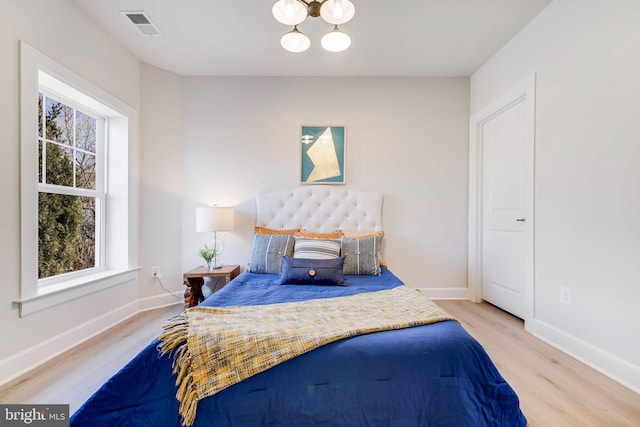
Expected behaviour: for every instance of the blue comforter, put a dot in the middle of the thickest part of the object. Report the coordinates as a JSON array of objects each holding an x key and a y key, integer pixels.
[{"x": 433, "y": 375}]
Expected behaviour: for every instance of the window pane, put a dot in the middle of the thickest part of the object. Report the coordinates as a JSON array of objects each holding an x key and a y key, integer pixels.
[
  {"x": 87, "y": 241},
  {"x": 39, "y": 115},
  {"x": 59, "y": 165},
  {"x": 85, "y": 170},
  {"x": 39, "y": 160},
  {"x": 59, "y": 122},
  {"x": 66, "y": 234},
  {"x": 85, "y": 132}
]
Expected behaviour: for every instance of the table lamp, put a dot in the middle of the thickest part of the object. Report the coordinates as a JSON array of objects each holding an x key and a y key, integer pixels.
[{"x": 212, "y": 220}]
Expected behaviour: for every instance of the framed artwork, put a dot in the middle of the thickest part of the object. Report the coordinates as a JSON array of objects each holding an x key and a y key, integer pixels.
[{"x": 322, "y": 154}]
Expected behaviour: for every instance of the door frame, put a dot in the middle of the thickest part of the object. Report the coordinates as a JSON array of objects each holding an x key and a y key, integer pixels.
[{"x": 522, "y": 93}]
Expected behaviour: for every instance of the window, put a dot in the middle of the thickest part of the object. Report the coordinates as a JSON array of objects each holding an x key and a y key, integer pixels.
[
  {"x": 70, "y": 188},
  {"x": 77, "y": 213}
]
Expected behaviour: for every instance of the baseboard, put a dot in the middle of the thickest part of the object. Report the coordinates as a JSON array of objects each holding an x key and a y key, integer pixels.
[
  {"x": 445, "y": 293},
  {"x": 24, "y": 361},
  {"x": 606, "y": 363},
  {"x": 159, "y": 301}
]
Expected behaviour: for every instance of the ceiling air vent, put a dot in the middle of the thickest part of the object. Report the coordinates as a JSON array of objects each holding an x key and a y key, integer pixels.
[{"x": 142, "y": 22}]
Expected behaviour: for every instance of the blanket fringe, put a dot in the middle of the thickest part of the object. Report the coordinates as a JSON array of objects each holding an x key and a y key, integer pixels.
[
  {"x": 188, "y": 398},
  {"x": 174, "y": 335},
  {"x": 174, "y": 339}
]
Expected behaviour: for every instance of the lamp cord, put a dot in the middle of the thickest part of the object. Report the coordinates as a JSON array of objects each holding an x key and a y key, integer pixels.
[{"x": 167, "y": 290}]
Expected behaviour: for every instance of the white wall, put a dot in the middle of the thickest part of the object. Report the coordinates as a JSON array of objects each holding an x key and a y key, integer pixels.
[
  {"x": 585, "y": 54},
  {"x": 160, "y": 180},
  {"x": 58, "y": 30},
  {"x": 406, "y": 137}
]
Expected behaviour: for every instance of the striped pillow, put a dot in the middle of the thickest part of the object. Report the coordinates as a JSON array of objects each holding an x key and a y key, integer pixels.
[
  {"x": 316, "y": 248},
  {"x": 267, "y": 252},
  {"x": 361, "y": 255},
  {"x": 316, "y": 235},
  {"x": 358, "y": 235}
]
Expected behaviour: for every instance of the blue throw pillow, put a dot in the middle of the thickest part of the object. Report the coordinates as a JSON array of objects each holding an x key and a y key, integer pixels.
[
  {"x": 361, "y": 255},
  {"x": 306, "y": 271},
  {"x": 267, "y": 251}
]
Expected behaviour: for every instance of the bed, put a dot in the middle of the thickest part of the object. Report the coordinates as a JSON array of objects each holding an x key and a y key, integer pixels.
[{"x": 419, "y": 374}]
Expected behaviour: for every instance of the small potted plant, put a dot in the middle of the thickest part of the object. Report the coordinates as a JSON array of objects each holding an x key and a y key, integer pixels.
[{"x": 208, "y": 254}]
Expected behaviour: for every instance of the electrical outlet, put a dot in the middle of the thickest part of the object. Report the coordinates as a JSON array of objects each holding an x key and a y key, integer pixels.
[
  {"x": 155, "y": 271},
  {"x": 565, "y": 295}
]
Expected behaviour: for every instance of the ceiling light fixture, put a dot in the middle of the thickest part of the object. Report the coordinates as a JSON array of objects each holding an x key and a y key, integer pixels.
[{"x": 294, "y": 12}]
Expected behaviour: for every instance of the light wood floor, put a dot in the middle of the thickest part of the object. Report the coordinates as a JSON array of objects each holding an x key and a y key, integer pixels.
[
  {"x": 554, "y": 389},
  {"x": 75, "y": 375}
]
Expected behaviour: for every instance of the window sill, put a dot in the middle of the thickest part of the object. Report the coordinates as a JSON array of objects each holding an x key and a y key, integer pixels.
[{"x": 73, "y": 289}]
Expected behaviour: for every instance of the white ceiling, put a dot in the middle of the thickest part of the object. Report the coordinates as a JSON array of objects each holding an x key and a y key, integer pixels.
[{"x": 389, "y": 37}]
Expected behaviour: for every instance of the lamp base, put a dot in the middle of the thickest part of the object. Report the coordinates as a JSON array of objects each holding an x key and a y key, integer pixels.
[
  {"x": 210, "y": 266},
  {"x": 215, "y": 247}
]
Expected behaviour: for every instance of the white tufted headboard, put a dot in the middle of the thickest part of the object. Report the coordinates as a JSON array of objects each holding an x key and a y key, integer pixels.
[{"x": 320, "y": 208}]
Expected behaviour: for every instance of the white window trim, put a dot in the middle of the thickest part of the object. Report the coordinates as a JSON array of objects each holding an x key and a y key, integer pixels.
[
  {"x": 120, "y": 256},
  {"x": 99, "y": 193},
  {"x": 57, "y": 294}
]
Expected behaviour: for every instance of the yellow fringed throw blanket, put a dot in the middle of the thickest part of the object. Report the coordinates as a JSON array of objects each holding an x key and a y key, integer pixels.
[{"x": 216, "y": 347}]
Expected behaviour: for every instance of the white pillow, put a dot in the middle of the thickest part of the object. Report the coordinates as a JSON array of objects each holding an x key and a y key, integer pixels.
[{"x": 316, "y": 248}]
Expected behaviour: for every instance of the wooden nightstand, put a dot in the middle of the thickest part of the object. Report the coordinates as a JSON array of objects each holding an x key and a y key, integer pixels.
[{"x": 194, "y": 279}]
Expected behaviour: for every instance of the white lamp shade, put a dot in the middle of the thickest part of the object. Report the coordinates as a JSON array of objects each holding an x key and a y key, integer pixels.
[
  {"x": 289, "y": 12},
  {"x": 295, "y": 41},
  {"x": 335, "y": 41},
  {"x": 209, "y": 219},
  {"x": 337, "y": 11}
]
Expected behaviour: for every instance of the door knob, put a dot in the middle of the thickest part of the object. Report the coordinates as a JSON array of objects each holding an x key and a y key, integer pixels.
[{"x": 520, "y": 220}]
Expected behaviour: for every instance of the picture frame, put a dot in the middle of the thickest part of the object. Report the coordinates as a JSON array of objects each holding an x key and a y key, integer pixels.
[{"x": 323, "y": 152}]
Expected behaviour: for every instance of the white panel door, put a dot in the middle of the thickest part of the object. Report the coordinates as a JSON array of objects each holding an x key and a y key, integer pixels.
[{"x": 507, "y": 199}]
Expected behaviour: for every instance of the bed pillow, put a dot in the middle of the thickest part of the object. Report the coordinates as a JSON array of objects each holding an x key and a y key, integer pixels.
[
  {"x": 316, "y": 248},
  {"x": 361, "y": 255},
  {"x": 267, "y": 252},
  {"x": 306, "y": 271},
  {"x": 315, "y": 235},
  {"x": 265, "y": 230},
  {"x": 359, "y": 235}
]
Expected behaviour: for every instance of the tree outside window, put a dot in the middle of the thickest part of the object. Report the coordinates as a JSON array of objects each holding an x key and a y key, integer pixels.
[{"x": 68, "y": 195}]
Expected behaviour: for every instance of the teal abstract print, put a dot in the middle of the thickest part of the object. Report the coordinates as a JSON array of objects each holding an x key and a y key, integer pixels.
[{"x": 323, "y": 155}]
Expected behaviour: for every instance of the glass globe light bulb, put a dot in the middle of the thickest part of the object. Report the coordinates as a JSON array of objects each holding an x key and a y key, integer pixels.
[
  {"x": 337, "y": 12},
  {"x": 289, "y": 12},
  {"x": 295, "y": 41},
  {"x": 335, "y": 41}
]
